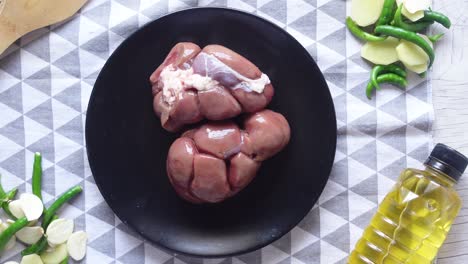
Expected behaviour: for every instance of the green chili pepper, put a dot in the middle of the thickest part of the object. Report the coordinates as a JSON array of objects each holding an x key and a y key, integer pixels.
[
  {"x": 392, "y": 68},
  {"x": 415, "y": 27},
  {"x": 440, "y": 18},
  {"x": 49, "y": 216},
  {"x": 386, "y": 78},
  {"x": 5, "y": 205},
  {"x": 11, "y": 230},
  {"x": 358, "y": 32},
  {"x": 409, "y": 36},
  {"x": 37, "y": 175},
  {"x": 435, "y": 38},
  {"x": 387, "y": 13},
  {"x": 65, "y": 261}
]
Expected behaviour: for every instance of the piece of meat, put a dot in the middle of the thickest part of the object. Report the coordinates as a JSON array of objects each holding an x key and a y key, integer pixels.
[
  {"x": 218, "y": 104},
  {"x": 268, "y": 133},
  {"x": 215, "y": 83},
  {"x": 221, "y": 140},
  {"x": 186, "y": 109},
  {"x": 242, "y": 170},
  {"x": 180, "y": 161},
  {"x": 214, "y": 161},
  {"x": 181, "y": 53},
  {"x": 210, "y": 180}
]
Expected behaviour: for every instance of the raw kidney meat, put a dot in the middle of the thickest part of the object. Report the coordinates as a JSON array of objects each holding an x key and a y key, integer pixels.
[
  {"x": 218, "y": 159},
  {"x": 213, "y": 83}
]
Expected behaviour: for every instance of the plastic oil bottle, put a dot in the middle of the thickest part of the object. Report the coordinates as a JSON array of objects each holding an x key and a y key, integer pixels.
[{"x": 413, "y": 220}]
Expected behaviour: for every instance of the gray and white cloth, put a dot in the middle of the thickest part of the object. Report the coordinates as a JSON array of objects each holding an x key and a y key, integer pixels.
[{"x": 46, "y": 79}]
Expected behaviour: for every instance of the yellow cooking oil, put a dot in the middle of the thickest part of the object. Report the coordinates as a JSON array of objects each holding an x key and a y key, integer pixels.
[{"x": 414, "y": 218}]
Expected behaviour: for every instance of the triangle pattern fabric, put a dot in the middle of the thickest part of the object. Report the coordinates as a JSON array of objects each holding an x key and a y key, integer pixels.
[{"x": 47, "y": 77}]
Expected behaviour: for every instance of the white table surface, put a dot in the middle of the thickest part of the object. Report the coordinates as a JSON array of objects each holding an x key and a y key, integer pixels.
[{"x": 450, "y": 96}]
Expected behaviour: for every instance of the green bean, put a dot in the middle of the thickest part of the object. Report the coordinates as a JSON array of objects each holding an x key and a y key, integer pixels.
[
  {"x": 386, "y": 78},
  {"x": 5, "y": 205},
  {"x": 392, "y": 68},
  {"x": 2, "y": 191},
  {"x": 64, "y": 261},
  {"x": 35, "y": 248},
  {"x": 39, "y": 246},
  {"x": 359, "y": 33},
  {"x": 440, "y": 18},
  {"x": 387, "y": 13},
  {"x": 435, "y": 38},
  {"x": 37, "y": 175},
  {"x": 6, "y": 235},
  {"x": 55, "y": 206},
  {"x": 409, "y": 36},
  {"x": 415, "y": 27}
]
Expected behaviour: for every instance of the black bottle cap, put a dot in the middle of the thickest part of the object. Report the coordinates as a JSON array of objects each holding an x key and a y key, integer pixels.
[{"x": 447, "y": 160}]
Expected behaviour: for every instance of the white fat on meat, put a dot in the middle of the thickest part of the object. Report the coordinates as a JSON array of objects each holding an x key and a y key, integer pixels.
[
  {"x": 209, "y": 65},
  {"x": 175, "y": 80},
  {"x": 213, "y": 73}
]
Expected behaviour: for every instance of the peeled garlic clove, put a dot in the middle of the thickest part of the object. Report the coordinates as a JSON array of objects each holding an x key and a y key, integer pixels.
[
  {"x": 30, "y": 234},
  {"x": 59, "y": 231},
  {"x": 15, "y": 209},
  {"x": 11, "y": 243},
  {"x": 76, "y": 245},
  {"x": 32, "y": 206},
  {"x": 56, "y": 255},
  {"x": 11, "y": 262},
  {"x": 32, "y": 259}
]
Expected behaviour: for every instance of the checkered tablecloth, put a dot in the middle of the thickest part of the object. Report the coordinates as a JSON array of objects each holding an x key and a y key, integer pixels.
[{"x": 46, "y": 79}]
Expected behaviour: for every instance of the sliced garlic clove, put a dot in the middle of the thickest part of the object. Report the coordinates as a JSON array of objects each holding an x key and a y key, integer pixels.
[
  {"x": 32, "y": 206},
  {"x": 76, "y": 245},
  {"x": 30, "y": 234},
  {"x": 59, "y": 231},
  {"x": 15, "y": 208},
  {"x": 11, "y": 243},
  {"x": 32, "y": 259},
  {"x": 55, "y": 256},
  {"x": 9, "y": 222}
]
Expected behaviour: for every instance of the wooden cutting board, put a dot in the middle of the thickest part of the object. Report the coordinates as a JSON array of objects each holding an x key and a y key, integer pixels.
[{"x": 18, "y": 17}]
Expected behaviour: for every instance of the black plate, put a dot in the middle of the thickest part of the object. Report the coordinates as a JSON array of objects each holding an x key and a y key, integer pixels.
[{"x": 127, "y": 147}]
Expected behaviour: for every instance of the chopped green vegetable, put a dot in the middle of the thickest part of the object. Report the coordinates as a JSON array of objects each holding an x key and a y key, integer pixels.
[
  {"x": 6, "y": 235},
  {"x": 440, "y": 18},
  {"x": 37, "y": 175},
  {"x": 387, "y": 13},
  {"x": 5, "y": 205},
  {"x": 386, "y": 78},
  {"x": 409, "y": 36},
  {"x": 415, "y": 27},
  {"x": 435, "y": 38},
  {"x": 377, "y": 70},
  {"x": 358, "y": 32},
  {"x": 49, "y": 216}
]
